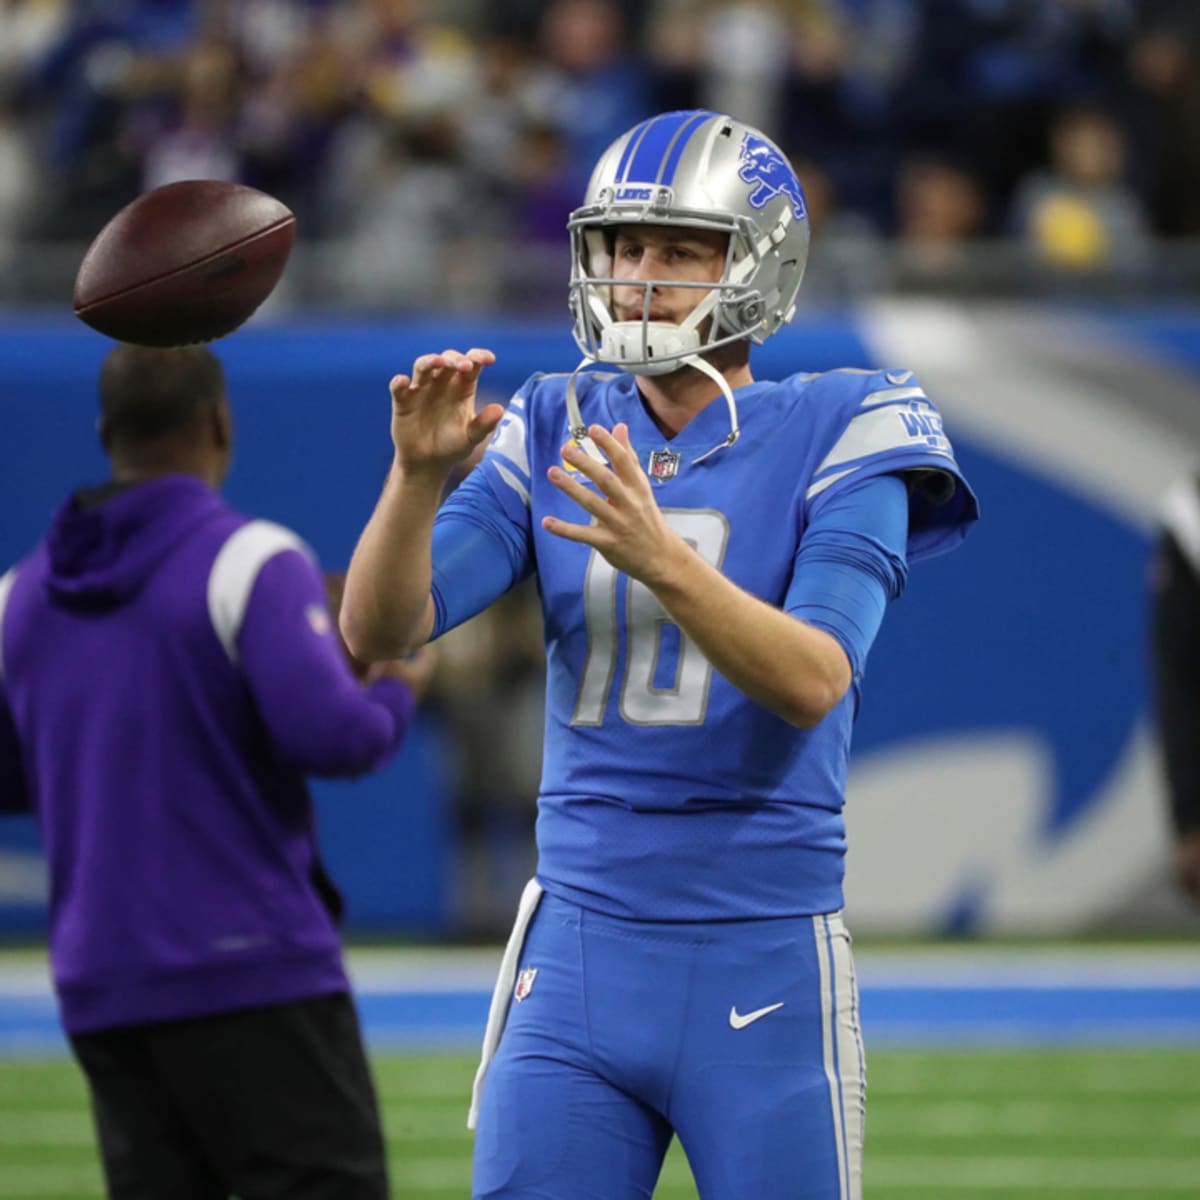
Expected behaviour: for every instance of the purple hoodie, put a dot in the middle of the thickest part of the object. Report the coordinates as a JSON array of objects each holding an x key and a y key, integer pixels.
[{"x": 169, "y": 673}]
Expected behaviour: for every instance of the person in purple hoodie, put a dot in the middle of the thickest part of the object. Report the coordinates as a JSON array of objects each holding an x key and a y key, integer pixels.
[{"x": 169, "y": 674}]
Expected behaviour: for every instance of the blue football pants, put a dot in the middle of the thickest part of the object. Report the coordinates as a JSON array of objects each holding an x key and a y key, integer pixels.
[{"x": 740, "y": 1037}]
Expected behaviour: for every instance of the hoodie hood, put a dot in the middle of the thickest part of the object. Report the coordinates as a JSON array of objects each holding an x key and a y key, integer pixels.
[{"x": 104, "y": 543}]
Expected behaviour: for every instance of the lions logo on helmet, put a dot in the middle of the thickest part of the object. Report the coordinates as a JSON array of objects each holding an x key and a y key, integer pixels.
[{"x": 763, "y": 165}]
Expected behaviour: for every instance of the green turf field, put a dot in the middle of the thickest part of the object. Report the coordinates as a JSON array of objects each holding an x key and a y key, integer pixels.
[{"x": 1026, "y": 1125}]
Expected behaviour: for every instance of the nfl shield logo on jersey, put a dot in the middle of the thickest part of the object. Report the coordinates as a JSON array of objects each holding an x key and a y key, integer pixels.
[
  {"x": 664, "y": 464},
  {"x": 524, "y": 983}
]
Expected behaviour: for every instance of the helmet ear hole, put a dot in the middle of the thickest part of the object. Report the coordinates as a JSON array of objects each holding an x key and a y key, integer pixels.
[{"x": 750, "y": 311}]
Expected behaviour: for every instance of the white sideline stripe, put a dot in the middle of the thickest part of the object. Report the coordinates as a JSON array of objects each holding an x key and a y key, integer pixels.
[
  {"x": 25, "y": 973},
  {"x": 231, "y": 580}
]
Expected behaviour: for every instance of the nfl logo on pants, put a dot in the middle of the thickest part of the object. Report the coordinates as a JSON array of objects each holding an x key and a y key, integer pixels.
[{"x": 524, "y": 983}]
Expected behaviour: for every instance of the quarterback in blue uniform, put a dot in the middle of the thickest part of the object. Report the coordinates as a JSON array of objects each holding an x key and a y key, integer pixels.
[{"x": 714, "y": 555}]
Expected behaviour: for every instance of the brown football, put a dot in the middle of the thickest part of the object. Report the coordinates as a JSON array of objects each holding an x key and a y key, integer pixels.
[{"x": 187, "y": 262}]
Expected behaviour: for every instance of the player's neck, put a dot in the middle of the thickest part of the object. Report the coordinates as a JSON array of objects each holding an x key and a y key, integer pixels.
[
  {"x": 673, "y": 400},
  {"x": 133, "y": 469}
]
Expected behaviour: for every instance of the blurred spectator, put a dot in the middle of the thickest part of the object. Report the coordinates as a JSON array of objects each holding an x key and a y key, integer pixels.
[
  {"x": 984, "y": 74},
  {"x": 108, "y": 58},
  {"x": 321, "y": 101},
  {"x": 940, "y": 209},
  {"x": 270, "y": 33},
  {"x": 534, "y": 257},
  {"x": 297, "y": 98},
  {"x": 521, "y": 19},
  {"x": 27, "y": 29},
  {"x": 599, "y": 89},
  {"x": 847, "y": 255},
  {"x": 1080, "y": 215},
  {"x": 403, "y": 212},
  {"x": 732, "y": 58},
  {"x": 410, "y": 65},
  {"x": 1165, "y": 64},
  {"x": 199, "y": 137},
  {"x": 18, "y": 178},
  {"x": 510, "y": 95}
]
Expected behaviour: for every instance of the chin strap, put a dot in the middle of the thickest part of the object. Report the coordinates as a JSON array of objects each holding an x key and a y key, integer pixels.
[
  {"x": 579, "y": 433},
  {"x": 706, "y": 368}
]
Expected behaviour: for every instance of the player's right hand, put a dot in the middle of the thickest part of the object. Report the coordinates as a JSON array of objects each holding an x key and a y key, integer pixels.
[{"x": 434, "y": 422}]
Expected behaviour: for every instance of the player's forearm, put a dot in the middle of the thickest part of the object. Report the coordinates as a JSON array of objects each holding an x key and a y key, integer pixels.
[
  {"x": 798, "y": 672},
  {"x": 387, "y": 610}
]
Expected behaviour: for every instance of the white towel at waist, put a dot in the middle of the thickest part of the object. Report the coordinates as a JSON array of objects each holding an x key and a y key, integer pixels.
[{"x": 502, "y": 993}]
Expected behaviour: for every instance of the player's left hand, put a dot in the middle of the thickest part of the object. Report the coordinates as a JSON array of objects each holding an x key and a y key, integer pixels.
[{"x": 629, "y": 528}]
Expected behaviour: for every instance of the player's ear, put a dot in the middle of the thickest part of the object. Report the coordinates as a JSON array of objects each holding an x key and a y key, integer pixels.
[{"x": 103, "y": 433}]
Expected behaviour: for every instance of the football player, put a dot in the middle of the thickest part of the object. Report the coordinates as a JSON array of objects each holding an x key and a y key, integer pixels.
[
  {"x": 714, "y": 555},
  {"x": 1175, "y": 658}
]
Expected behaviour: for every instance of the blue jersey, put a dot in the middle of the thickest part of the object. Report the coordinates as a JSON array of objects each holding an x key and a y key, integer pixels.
[{"x": 667, "y": 794}]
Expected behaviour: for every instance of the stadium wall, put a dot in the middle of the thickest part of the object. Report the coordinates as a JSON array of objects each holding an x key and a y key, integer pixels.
[{"x": 1006, "y": 777}]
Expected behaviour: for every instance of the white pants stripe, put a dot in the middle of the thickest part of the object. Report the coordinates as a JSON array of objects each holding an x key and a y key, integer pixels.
[{"x": 842, "y": 1048}]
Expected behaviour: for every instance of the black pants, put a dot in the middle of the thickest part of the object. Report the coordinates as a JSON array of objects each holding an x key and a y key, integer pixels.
[{"x": 262, "y": 1104}]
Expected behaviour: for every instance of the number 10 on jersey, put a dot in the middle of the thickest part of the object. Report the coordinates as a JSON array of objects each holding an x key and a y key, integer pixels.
[{"x": 641, "y": 703}]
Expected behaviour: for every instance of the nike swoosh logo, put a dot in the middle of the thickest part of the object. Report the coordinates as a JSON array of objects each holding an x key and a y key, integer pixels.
[{"x": 739, "y": 1022}]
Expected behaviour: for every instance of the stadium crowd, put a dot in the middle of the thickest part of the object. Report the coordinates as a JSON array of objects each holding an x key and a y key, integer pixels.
[{"x": 417, "y": 140}]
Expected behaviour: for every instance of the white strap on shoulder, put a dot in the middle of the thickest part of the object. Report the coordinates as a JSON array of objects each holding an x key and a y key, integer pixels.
[
  {"x": 1181, "y": 516},
  {"x": 6, "y": 584},
  {"x": 235, "y": 570}
]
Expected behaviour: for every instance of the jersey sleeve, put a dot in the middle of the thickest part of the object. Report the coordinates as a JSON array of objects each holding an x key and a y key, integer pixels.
[
  {"x": 851, "y": 563},
  {"x": 891, "y": 427},
  {"x": 319, "y": 718},
  {"x": 483, "y": 534}
]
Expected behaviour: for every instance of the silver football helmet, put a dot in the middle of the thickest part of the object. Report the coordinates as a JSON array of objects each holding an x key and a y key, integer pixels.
[{"x": 698, "y": 170}]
